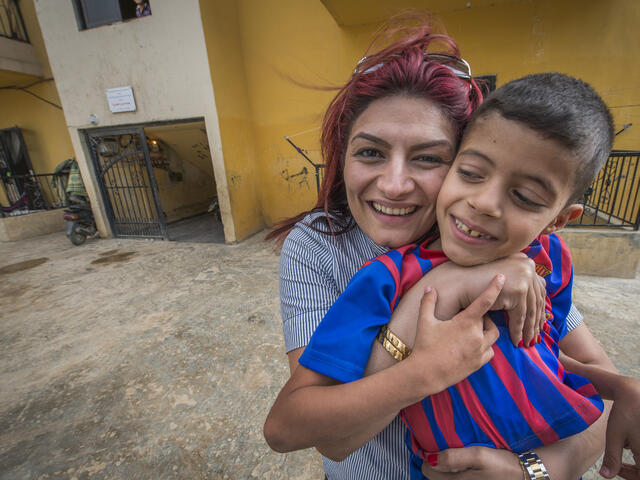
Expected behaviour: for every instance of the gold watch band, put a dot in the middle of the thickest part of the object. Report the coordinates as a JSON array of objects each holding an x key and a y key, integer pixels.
[
  {"x": 533, "y": 466},
  {"x": 392, "y": 344}
]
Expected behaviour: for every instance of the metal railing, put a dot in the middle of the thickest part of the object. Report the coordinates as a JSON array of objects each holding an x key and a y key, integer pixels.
[
  {"x": 31, "y": 193},
  {"x": 613, "y": 199},
  {"x": 11, "y": 23}
]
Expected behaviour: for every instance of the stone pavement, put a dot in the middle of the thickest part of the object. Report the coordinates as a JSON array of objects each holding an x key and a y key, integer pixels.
[{"x": 126, "y": 359}]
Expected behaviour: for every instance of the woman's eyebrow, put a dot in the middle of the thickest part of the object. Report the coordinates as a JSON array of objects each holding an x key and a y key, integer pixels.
[
  {"x": 372, "y": 138},
  {"x": 384, "y": 143},
  {"x": 431, "y": 144}
]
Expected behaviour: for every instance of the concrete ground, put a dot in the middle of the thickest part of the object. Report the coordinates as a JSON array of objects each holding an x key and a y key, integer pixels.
[
  {"x": 125, "y": 359},
  {"x": 203, "y": 228}
]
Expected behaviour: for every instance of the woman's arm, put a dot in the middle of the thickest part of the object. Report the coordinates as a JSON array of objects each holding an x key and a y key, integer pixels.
[
  {"x": 623, "y": 427},
  {"x": 314, "y": 276},
  {"x": 566, "y": 459},
  {"x": 585, "y": 448},
  {"x": 312, "y": 410},
  {"x": 522, "y": 296}
]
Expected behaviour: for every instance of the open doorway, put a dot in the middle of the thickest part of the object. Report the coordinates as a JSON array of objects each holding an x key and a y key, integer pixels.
[
  {"x": 157, "y": 181},
  {"x": 186, "y": 185}
]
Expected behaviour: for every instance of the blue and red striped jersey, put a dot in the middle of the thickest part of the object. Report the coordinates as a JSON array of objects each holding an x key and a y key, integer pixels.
[{"x": 521, "y": 399}]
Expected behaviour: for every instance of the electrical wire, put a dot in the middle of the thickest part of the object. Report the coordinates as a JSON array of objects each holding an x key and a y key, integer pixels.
[{"x": 24, "y": 89}]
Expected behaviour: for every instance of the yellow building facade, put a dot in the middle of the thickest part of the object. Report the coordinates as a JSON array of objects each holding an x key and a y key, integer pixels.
[
  {"x": 260, "y": 52},
  {"x": 270, "y": 63}
]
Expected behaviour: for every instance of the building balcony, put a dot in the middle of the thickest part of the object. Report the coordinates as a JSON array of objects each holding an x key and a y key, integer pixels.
[{"x": 17, "y": 55}]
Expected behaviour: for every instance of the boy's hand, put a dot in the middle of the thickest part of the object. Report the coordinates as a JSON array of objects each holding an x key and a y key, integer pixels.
[
  {"x": 447, "y": 352},
  {"x": 523, "y": 297},
  {"x": 623, "y": 431}
]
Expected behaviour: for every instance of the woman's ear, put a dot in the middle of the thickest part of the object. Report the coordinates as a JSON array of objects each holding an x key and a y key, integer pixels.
[{"x": 565, "y": 216}]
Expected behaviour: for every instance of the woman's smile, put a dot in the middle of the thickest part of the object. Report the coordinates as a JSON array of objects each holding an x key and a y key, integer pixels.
[{"x": 393, "y": 211}]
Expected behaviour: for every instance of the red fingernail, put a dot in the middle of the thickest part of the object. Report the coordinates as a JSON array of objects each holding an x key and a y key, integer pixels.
[
  {"x": 432, "y": 459},
  {"x": 520, "y": 344},
  {"x": 532, "y": 342},
  {"x": 546, "y": 328},
  {"x": 539, "y": 338}
]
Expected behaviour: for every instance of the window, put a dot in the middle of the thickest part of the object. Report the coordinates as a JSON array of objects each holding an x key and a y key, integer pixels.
[{"x": 95, "y": 13}]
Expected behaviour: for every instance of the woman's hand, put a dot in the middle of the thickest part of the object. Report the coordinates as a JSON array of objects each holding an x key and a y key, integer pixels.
[
  {"x": 467, "y": 337},
  {"x": 581, "y": 354},
  {"x": 313, "y": 410},
  {"x": 523, "y": 296},
  {"x": 623, "y": 431},
  {"x": 473, "y": 463}
]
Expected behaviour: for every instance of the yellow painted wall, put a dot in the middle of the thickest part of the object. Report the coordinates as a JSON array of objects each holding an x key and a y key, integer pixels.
[
  {"x": 255, "y": 65},
  {"x": 226, "y": 61},
  {"x": 259, "y": 49},
  {"x": 43, "y": 126},
  {"x": 304, "y": 46},
  {"x": 596, "y": 40}
]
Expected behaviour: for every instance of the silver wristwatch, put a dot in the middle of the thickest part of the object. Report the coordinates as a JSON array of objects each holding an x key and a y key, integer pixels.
[{"x": 533, "y": 466}]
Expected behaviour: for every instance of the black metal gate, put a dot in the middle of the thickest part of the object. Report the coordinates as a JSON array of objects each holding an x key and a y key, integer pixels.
[
  {"x": 15, "y": 163},
  {"x": 129, "y": 190},
  {"x": 613, "y": 199}
]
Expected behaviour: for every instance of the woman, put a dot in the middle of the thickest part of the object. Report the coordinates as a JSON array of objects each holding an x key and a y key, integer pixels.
[{"x": 385, "y": 162}]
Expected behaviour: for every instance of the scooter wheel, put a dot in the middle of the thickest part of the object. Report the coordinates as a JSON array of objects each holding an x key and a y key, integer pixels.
[{"x": 77, "y": 238}]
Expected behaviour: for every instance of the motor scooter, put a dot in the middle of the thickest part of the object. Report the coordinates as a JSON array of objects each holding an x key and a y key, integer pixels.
[{"x": 80, "y": 223}]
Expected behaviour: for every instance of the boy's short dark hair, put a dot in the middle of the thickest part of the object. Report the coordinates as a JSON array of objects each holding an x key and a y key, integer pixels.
[{"x": 562, "y": 108}]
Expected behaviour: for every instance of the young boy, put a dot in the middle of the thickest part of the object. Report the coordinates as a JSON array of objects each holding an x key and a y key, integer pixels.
[{"x": 527, "y": 155}]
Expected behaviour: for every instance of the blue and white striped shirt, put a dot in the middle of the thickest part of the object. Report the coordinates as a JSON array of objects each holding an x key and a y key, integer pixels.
[{"x": 315, "y": 268}]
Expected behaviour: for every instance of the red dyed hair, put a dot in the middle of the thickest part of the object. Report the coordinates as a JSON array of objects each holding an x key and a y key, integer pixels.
[{"x": 400, "y": 68}]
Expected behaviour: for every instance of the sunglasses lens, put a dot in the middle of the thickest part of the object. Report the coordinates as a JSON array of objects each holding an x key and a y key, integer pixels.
[{"x": 457, "y": 65}]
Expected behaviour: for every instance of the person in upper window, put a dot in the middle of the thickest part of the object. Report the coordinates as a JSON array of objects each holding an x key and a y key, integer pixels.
[{"x": 142, "y": 8}]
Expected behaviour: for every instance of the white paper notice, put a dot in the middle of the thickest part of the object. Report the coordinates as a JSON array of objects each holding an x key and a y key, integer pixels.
[{"x": 121, "y": 99}]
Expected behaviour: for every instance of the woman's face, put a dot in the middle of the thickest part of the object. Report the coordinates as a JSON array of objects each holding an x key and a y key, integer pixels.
[{"x": 398, "y": 154}]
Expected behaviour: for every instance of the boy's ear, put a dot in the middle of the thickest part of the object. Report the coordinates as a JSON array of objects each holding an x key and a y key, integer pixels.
[{"x": 565, "y": 216}]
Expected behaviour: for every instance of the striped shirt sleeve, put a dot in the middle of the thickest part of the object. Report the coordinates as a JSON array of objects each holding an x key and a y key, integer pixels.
[
  {"x": 307, "y": 288},
  {"x": 574, "y": 318}
]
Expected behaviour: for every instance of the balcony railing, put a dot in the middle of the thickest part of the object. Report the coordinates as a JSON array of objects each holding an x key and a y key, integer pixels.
[
  {"x": 613, "y": 199},
  {"x": 11, "y": 23},
  {"x": 31, "y": 193}
]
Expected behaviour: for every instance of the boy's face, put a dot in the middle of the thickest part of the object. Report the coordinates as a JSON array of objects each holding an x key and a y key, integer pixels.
[{"x": 507, "y": 185}]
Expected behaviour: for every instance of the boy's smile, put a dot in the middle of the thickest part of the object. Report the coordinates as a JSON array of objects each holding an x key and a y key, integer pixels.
[{"x": 507, "y": 185}]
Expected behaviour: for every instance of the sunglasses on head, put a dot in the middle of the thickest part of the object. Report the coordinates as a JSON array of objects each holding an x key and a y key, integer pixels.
[{"x": 457, "y": 65}]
